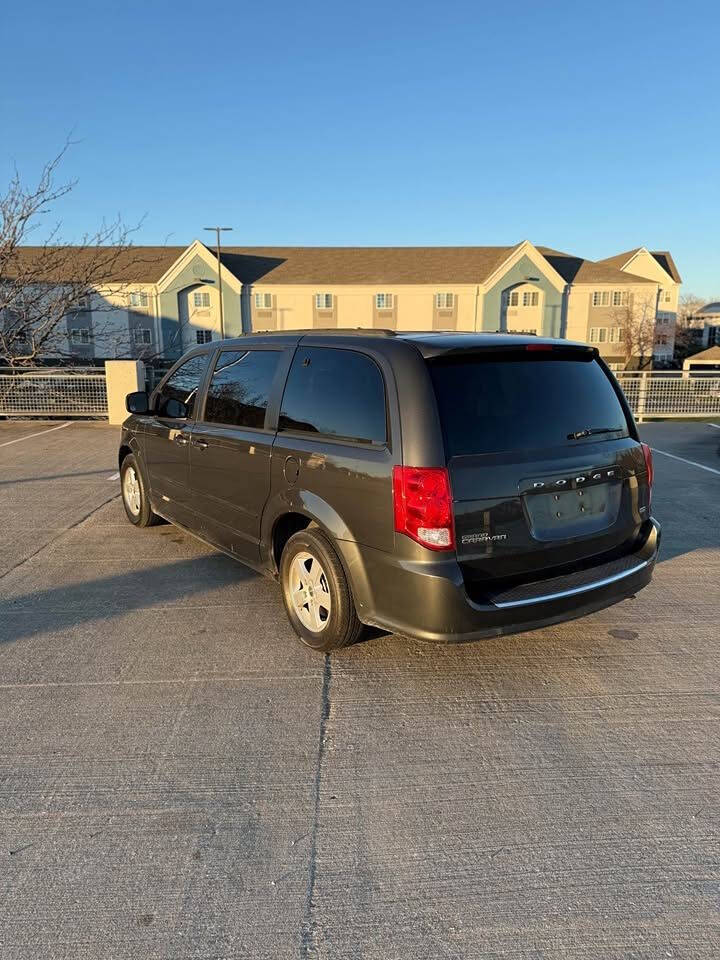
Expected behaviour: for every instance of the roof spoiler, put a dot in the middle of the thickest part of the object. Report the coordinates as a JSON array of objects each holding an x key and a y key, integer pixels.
[{"x": 539, "y": 349}]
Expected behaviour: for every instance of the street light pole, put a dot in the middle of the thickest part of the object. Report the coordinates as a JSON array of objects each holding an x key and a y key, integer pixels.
[{"x": 217, "y": 231}]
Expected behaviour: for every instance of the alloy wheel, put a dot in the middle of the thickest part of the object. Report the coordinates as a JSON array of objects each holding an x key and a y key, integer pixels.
[
  {"x": 131, "y": 491},
  {"x": 310, "y": 592}
]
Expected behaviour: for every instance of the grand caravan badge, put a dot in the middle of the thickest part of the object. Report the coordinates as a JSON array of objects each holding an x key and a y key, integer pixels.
[{"x": 482, "y": 537}]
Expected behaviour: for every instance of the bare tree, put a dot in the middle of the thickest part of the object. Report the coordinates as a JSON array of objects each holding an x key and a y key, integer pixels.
[
  {"x": 42, "y": 286},
  {"x": 636, "y": 319},
  {"x": 688, "y": 337}
]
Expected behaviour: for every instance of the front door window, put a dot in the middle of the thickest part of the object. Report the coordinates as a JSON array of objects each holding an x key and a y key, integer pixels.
[{"x": 183, "y": 385}]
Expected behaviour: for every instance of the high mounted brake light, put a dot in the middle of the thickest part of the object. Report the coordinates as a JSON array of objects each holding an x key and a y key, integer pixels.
[
  {"x": 539, "y": 346},
  {"x": 423, "y": 506}
]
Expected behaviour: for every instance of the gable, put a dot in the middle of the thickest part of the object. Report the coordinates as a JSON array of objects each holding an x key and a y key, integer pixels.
[
  {"x": 664, "y": 258},
  {"x": 655, "y": 265},
  {"x": 643, "y": 264},
  {"x": 196, "y": 265}
]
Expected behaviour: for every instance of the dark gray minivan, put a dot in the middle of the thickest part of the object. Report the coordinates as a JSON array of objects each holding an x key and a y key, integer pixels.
[{"x": 438, "y": 485}]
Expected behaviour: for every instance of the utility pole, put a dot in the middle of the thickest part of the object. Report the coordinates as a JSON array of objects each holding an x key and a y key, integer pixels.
[{"x": 218, "y": 231}]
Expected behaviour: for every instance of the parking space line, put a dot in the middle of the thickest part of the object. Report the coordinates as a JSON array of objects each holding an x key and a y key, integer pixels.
[
  {"x": 39, "y": 434},
  {"x": 113, "y": 476},
  {"x": 716, "y": 425},
  {"x": 693, "y": 463}
]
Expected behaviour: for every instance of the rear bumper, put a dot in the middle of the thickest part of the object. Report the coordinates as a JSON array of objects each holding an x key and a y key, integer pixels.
[{"x": 428, "y": 600}]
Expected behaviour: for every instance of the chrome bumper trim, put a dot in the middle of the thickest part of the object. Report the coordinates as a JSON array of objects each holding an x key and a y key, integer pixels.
[{"x": 573, "y": 590}]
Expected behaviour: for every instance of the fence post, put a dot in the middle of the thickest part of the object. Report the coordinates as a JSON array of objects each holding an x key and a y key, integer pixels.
[
  {"x": 122, "y": 377},
  {"x": 642, "y": 397}
]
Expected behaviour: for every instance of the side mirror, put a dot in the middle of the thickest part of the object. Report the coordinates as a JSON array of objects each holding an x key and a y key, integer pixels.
[
  {"x": 175, "y": 409},
  {"x": 137, "y": 402}
]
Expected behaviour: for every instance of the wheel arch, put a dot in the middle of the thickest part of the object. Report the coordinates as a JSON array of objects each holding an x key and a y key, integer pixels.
[
  {"x": 285, "y": 525},
  {"x": 129, "y": 445},
  {"x": 124, "y": 451},
  {"x": 309, "y": 510}
]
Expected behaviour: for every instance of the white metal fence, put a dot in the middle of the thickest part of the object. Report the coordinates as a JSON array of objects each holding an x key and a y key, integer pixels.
[
  {"x": 53, "y": 392},
  {"x": 671, "y": 394},
  {"x": 82, "y": 392}
]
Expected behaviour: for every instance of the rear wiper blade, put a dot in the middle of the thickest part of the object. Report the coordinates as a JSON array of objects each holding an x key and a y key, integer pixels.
[{"x": 592, "y": 431}]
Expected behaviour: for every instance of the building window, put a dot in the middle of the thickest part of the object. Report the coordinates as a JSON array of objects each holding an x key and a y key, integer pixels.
[
  {"x": 384, "y": 301},
  {"x": 530, "y": 298},
  {"x": 601, "y": 298},
  {"x": 80, "y": 335},
  {"x": 83, "y": 302},
  {"x": 619, "y": 298},
  {"x": 616, "y": 335},
  {"x": 513, "y": 299},
  {"x": 661, "y": 339},
  {"x": 667, "y": 296},
  {"x": 138, "y": 299},
  {"x": 203, "y": 336},
  {"x": 263, "y": 301},
  {"x": 201, "y": 299},
  {"x": 142, "y": 336},
  {"x": 444, "y": 301},
  {"x": 598, "y": 334},
  {"x": 324, "y": 301}
]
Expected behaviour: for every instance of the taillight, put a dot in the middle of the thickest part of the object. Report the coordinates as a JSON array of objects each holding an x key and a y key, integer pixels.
[
  {"x": 647, "y": 453},
  {"x": 423, "y": 506}
]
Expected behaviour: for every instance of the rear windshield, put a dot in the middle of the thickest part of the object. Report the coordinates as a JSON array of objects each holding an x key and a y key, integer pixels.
[{"x": 490, "y": 405}]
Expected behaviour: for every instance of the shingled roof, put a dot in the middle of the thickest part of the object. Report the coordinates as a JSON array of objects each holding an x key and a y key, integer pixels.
[
  {"x": 327, "y": 265},
  {"x": 663, "y": 257},
  {"x": 66, "y": 264},
  {"x": 578, "y": 270},
  {"x": 620, "y": 259},
  {"x": 341, "y": 265},
  {"x": 711, "y": 355}
]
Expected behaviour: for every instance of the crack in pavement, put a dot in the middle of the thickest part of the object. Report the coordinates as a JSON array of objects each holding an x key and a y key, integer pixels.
[{"x": 307, "y": 937}]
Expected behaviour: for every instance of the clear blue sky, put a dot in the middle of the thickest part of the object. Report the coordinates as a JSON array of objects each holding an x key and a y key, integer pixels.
[{"x": 590, "y": 127}]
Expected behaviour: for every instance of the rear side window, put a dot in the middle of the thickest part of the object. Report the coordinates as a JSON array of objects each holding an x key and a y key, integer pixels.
[
  {"x": 183, "y": 385},
  {"x": 339, "y": 393},
  {"x": 240, "y": 387},
  {"x": 491, "y": 405}
]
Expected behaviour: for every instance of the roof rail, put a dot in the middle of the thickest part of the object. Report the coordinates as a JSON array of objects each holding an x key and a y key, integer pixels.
[{"x": 329, "y": 331}]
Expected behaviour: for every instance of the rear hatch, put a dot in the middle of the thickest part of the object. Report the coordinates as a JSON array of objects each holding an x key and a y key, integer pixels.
[{"x": 545, "y": 469}]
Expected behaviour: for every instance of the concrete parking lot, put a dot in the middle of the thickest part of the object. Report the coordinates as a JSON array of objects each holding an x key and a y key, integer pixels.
[{"x": 179, "y": 778}]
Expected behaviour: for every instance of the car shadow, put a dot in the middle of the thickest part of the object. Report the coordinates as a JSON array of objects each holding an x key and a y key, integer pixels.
[
  {"x": 58, "y": 476},
  {"x": 70, "y": 605}
]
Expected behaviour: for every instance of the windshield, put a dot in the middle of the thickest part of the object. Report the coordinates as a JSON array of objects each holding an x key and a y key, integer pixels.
[{"x": 494, "y": 405}]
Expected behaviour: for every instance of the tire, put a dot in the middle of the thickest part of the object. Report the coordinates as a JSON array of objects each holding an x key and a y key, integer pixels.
[
  {"x": 135, "y": 494},
  {"x": 327, "y": 620}
]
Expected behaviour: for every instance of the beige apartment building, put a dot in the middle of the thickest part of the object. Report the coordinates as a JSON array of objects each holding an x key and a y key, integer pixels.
[{"x": 167, "y": 299}]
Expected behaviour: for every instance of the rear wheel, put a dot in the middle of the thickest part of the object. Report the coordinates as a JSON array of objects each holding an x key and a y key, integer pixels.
[
  {"x": 135, "y": 494},
  {"x": 316, "y": 593}
]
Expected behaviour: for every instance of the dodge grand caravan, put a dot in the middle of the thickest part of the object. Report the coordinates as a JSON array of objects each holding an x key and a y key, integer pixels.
[{"x": 440, "y": 486}]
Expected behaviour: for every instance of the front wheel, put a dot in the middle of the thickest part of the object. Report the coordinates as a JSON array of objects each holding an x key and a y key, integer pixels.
[
  {"x": 316, "y": 593},
  {"x": 135, "y": 495}
]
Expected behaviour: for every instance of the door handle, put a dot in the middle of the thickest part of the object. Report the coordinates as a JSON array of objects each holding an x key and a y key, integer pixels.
[
  {"x": 199, "y": 443},
  {"x": 181, "y": 438}
]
